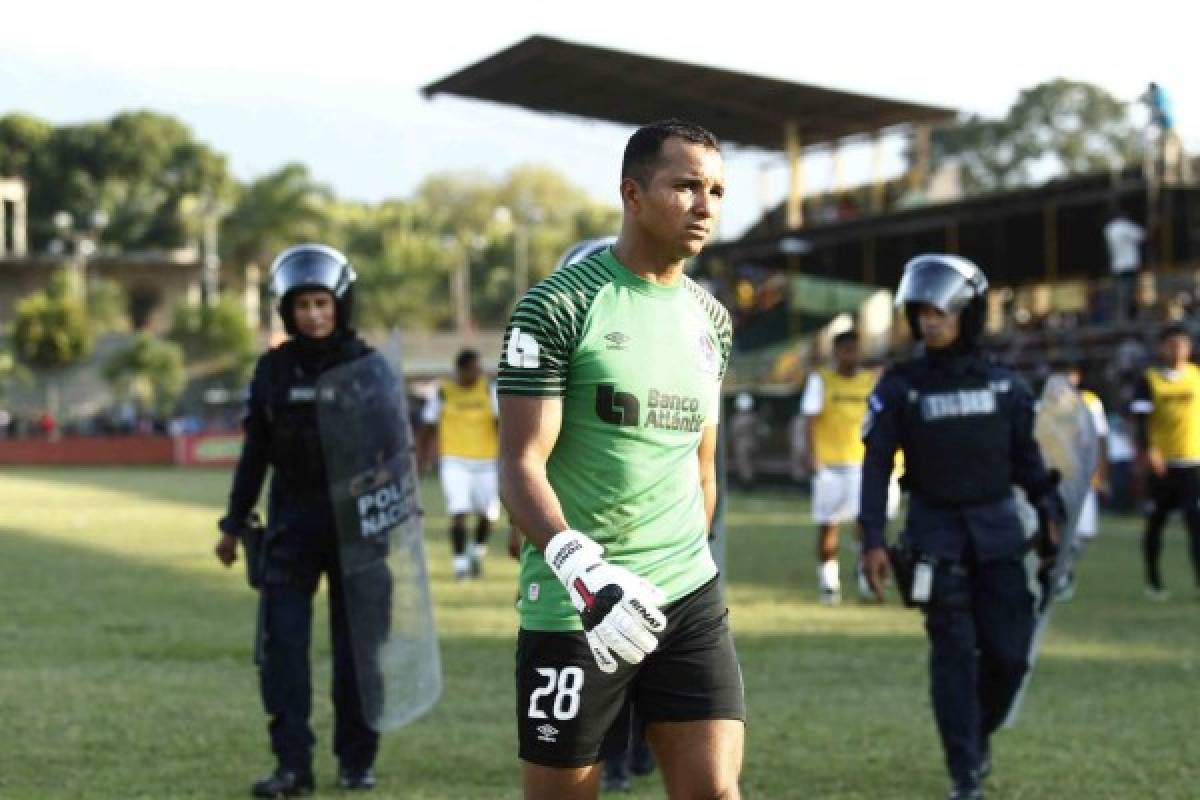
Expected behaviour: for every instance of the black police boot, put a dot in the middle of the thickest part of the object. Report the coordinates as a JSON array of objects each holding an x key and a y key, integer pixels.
[
  {"x": 284, "y": 782},
  {"x": 356, "y": 779}
]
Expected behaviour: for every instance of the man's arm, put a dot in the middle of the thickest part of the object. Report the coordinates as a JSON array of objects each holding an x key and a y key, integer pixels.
[
  {"x": 811, "y": 406},
  {"x": 427, "y": 432},
  {"x": 707, "y": 453},
  {"x": 529, "y": 428},
  {"x": 1142, "y": 407}
]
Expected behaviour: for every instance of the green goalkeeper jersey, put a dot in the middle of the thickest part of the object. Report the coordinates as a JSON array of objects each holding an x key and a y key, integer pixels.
[{"x": 638, "y": 367}]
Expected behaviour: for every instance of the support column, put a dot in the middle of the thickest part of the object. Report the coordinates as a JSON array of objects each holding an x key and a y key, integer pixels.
[
  {"x": 918, "y": 174},
  {"x": 877, "y": 198},
  {"x": 1050, "y": 240},
  {"x": 793, "y": 146}
]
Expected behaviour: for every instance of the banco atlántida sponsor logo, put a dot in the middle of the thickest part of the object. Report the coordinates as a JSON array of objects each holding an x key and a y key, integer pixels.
[{"x": 665, "y": 410}]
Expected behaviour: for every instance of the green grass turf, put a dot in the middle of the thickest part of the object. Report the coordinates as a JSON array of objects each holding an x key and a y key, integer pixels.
[{"x": 125, "y": 664}]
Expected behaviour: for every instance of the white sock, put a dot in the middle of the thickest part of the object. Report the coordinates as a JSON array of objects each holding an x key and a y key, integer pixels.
[
  {"x": 829, "y": 577},
  {"x": 478, "y": 551},
  {"x": 461, "y": 564}
]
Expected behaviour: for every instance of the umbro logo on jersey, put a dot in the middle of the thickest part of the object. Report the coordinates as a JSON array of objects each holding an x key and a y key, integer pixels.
[
  {"x": 617, "y": 341},
  {"x": 547, "y": 733}
]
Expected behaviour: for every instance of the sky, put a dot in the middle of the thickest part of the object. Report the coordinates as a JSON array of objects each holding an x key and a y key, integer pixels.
[{"x": 335, "y": 85}]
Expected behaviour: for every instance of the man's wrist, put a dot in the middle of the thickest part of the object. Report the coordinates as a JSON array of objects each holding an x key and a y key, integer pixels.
[
  {"x": 872, "y": 537},
  {"x": 568, "y": 551}
]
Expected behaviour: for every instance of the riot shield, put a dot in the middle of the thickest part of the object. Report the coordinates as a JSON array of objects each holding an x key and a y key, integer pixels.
[
  {"x": 367, "y": 440},
  {"x": 1067, "y": 437}
]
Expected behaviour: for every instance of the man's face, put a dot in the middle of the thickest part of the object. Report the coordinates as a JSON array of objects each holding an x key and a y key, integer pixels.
[
  {"x": 845, "y": 356},
  {"x": 1176, "y": 349},
  {"x": 678, "y": 208},
  {"x": 469, "y": 373},
  {"x": 938, "y": 329},
  {"x": 315, "y": 313}
]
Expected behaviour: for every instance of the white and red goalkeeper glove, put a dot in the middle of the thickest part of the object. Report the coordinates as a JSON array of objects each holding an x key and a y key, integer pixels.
[{"x": 619, "y": 610}]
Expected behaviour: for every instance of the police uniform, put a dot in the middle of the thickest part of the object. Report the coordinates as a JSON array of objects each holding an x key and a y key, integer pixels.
[
  {"x": 965, "y": 425},
  {"x": 281, "y": 431},
  {"x": 1167, "y": 406}
]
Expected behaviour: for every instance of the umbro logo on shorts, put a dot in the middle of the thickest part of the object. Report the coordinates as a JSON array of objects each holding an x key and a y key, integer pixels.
[{"x": 547, "y": 733}]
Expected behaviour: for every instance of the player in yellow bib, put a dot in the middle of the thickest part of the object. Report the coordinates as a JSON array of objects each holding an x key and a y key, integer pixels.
[
  {"x": 463, "y": 414},
  {"x": 834, "y": 405},
  {"x": 1167, "y": 407}
]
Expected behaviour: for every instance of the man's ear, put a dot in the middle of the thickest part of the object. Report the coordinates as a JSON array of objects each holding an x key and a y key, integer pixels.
[{"x": 631, "y": 194}]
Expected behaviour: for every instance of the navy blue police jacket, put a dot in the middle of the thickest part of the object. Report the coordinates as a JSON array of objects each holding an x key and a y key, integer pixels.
[{"x": 965, "y": 424}]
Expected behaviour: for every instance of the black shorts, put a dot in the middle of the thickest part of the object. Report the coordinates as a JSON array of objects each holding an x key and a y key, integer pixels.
[
  {"x": 1179, "y": 488},
  {"x": 566, "y": 705}
]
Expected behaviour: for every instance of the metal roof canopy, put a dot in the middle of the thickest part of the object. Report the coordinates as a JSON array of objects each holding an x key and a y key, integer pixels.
[{"x": 545, "y": 74}]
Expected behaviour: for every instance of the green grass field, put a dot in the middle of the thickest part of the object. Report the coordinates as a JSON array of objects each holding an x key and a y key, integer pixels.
[{"x": 125, "y": 665}]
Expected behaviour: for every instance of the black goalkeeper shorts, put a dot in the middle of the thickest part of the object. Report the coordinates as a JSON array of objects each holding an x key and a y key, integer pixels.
[{"x": 566, "y": 705}]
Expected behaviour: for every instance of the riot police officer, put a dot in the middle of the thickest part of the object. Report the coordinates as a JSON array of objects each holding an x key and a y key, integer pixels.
[
  {"x": 314, "y": 285},
  {"x": 965, "y": 423}
]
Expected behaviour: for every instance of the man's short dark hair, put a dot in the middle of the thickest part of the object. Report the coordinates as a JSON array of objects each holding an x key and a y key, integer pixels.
[
  {"x": 465, "y": 358},
  {"x": 845, "y": 337},
  {"x": 644, "y": 148},
  {"x": 1174, "y": 329}
]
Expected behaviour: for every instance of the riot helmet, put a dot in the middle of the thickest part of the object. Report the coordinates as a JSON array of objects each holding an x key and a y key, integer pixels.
[
  {"x": 584, "y": 249},
  {"x": 313, "y": 266},
  {"x": 952, "y": 284}
]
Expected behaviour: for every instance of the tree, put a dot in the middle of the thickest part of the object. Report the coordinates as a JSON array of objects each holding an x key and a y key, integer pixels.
[
  {"x": 139, "y": 167},
  {"x": 50, "y": 328},
  {"x": 149, "y": 370},
  {"x": 11, "y": 373},
  {"x": 280, "y": 209},
  {"x": 218, "y": 332},
  {"x": 107, "y": 306},
  {"x": 1056, "y": 128}
]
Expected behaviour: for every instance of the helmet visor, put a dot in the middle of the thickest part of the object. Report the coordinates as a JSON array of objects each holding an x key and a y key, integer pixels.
[
  {"x": 310, "y": 268},
  {"x": 941, "y": 283}
]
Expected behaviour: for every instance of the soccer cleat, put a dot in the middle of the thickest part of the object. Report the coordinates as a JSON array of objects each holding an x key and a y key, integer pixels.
[
  {"x": 865, "y": 592},
  {"x": 476, "y": 569},
  {"x": 1065, "y": 590},
  {"x": 1157, "y": 593},
  {"x": 830, "y": 597},
  {"x": 353, "y": 779},
  {"x": 285, "y": 783}
]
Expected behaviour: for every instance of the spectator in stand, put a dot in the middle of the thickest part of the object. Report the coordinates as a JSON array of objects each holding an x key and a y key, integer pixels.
[{"x": 1124, "y": 237}]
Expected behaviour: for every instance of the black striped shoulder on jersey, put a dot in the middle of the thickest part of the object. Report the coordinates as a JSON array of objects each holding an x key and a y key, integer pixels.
[
  {"x": 718, "y": 315},
  {"x": 553, "y": 313}
]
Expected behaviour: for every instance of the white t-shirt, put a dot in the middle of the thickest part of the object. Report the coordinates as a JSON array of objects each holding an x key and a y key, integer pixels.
[
  {"x": 1123, "y": 239},
  {"x": 813, "y": 401}
]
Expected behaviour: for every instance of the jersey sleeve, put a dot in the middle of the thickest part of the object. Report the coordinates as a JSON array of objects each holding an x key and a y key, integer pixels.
[
  {"x": 1099, "y": 419},
  {"x": 813, "y": 401},
  {"x": 538, "y": 344},
  {"x": 1143, "y": 399},
  {"x": 431, "y": 412}
]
